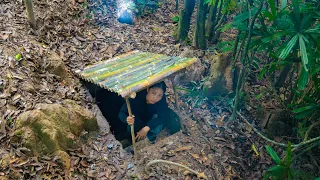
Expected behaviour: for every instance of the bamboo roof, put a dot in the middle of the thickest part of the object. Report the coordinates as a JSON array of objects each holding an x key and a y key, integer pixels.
[{"x": 133, "y": 71}]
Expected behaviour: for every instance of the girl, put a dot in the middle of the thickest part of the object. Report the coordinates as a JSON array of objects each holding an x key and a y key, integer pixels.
[{"x": 149, "y": 111}]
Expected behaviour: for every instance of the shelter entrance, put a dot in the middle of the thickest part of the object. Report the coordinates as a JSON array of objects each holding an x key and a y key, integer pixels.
[
  {"x": 114, "y": 81},
  {"x": 110, "y": 104}
]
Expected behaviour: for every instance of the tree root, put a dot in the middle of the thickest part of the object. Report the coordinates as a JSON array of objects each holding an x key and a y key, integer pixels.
[
  {"x": 295, "y": 146},
  {"x": 199, "y": 175},
  {"x": 308, "y": 131}
]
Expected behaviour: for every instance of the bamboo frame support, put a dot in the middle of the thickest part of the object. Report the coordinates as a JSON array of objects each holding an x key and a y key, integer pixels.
[
  {"x": 132, "y": 130},
  {"x": 176, "y": 99}
]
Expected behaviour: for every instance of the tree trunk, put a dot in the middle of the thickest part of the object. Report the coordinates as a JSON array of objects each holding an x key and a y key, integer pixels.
[
  {"x": 184, "y": 20},
  {"x": 177, "y": 5},
  {"x": 211, "y": 21},
  {"x": 30, "y": 13},
  {"x": 283, "y": 76},
  {"x": 241, "y": 79},
  {"x": 199, "y": 35}
]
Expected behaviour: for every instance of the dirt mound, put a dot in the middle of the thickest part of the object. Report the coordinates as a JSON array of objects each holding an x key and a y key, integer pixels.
[{"x": 54, "y": 128}]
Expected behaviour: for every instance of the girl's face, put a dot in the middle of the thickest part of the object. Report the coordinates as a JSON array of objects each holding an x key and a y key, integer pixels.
[{"x": 154, "y": 95}]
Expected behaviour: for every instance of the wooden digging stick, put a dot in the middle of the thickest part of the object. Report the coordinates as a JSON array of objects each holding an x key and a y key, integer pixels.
[{"x": 132, "y": 130}]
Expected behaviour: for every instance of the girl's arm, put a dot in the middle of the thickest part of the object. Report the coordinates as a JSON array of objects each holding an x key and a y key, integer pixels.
[{"x": 123, "y": 114}]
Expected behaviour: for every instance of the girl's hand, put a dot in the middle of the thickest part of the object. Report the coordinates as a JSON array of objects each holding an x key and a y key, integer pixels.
[
  {"x": 130, "y": 120},
  {"x": 142, "y": 133}
]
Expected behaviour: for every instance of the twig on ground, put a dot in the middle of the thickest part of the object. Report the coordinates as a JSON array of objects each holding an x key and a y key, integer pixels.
[
  {"x": 296, "y": 146},
  {"x": 199, "y": 175},
  {"x": 310, "y": 128}
]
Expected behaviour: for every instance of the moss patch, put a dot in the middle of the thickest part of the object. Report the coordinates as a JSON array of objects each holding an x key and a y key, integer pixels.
[{"x": 53, "y": 128}]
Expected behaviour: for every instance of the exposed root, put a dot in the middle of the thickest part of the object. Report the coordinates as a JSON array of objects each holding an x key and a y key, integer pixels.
[
  {"x": 199, "y": 175},
  {"x": 295, "y": 146}
]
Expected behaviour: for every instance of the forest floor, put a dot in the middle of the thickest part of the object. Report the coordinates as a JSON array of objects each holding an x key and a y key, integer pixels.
[{"x": 211, "y": 144}]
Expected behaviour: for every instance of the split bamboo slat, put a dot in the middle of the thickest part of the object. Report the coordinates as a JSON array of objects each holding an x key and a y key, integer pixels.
[{"x": 133, "y": 71}]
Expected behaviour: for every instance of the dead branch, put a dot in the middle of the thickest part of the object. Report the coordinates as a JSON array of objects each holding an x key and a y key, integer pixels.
[
  {"x": 296, "y": 146},
  {"x": 199, "y": 175},
  {"x": 3, "y": 128},
  {"x": 310, "y": 128}
]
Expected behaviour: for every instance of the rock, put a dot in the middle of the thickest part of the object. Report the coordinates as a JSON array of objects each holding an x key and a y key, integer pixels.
[
  {"x": 54, "y": 128},
  {"x": 217, "y": 131},
  {"x": 55, "y": 65}
]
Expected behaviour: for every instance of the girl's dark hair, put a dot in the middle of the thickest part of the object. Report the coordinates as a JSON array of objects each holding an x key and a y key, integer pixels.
[{"x": 160, "y": 85}]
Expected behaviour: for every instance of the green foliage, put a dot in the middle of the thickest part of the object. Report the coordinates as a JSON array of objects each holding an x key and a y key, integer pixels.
[
  {"x": 18, "y": 57},
  {"x": 146, "y": 6},
  {"x": 226, "y": 46},
  {"x": 210, "y": 2},
  {"x": 295, "y": 26},
  {"x": 197, "y": 92},
  {"x": 287, "y": 33},
  {"x": 175, "y": 18},
  {"x": 283, "y": 170}
]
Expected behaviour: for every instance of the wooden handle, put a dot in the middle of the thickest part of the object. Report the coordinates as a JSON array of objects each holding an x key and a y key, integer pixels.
[{"x": 132, "y": 130}]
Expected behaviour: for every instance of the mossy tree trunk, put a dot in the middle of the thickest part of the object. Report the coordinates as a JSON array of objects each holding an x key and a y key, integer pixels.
[
  {"x": 211, "y": 22},
  {"x": 30, "y": 14},
  {"x": 199, "y": 36},
  {"x": 185, "y": 18}
]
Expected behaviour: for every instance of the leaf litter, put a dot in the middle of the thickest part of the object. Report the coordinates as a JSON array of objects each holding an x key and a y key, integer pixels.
[{"x": 81, "y": 37}]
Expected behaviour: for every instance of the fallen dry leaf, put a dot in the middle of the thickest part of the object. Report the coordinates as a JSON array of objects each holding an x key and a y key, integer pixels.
[
  {"x": 195, "y": 156},
  {"x": 84, "y": 164},
  {"x": 184, "y": 148}
]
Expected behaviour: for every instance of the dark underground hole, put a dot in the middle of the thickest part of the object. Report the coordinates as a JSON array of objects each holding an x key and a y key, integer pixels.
[{"x": 110, "y": 104}]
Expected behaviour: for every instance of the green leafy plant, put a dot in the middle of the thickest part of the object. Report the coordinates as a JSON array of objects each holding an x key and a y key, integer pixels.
[
  {"x": 175, "y": 19},
  {"x": 286, "y": 37},
  {"x": 196, "y": 92},
  {"x": 283, "y": 168},
  {"x": 18, "y": 57}
]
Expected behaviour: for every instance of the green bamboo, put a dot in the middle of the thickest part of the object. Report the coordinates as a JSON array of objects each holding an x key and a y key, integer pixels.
[
  {"x": 134, "y": 71},
  {"x": 115, "y": 64},
  {"x": 119, "y": 69},
  {"x": 166, "y": 72},
  {"x": 141, "y": 75},
  {"x": 144, "y": 75},
  {"x": 113, "y": 60}
]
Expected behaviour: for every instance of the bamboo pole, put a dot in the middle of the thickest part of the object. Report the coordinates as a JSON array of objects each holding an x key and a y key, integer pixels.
[
  {"x": 30, "y": 13},
  {"x": 132, "y": 130},
  {"x": 176, "y": 99}
]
